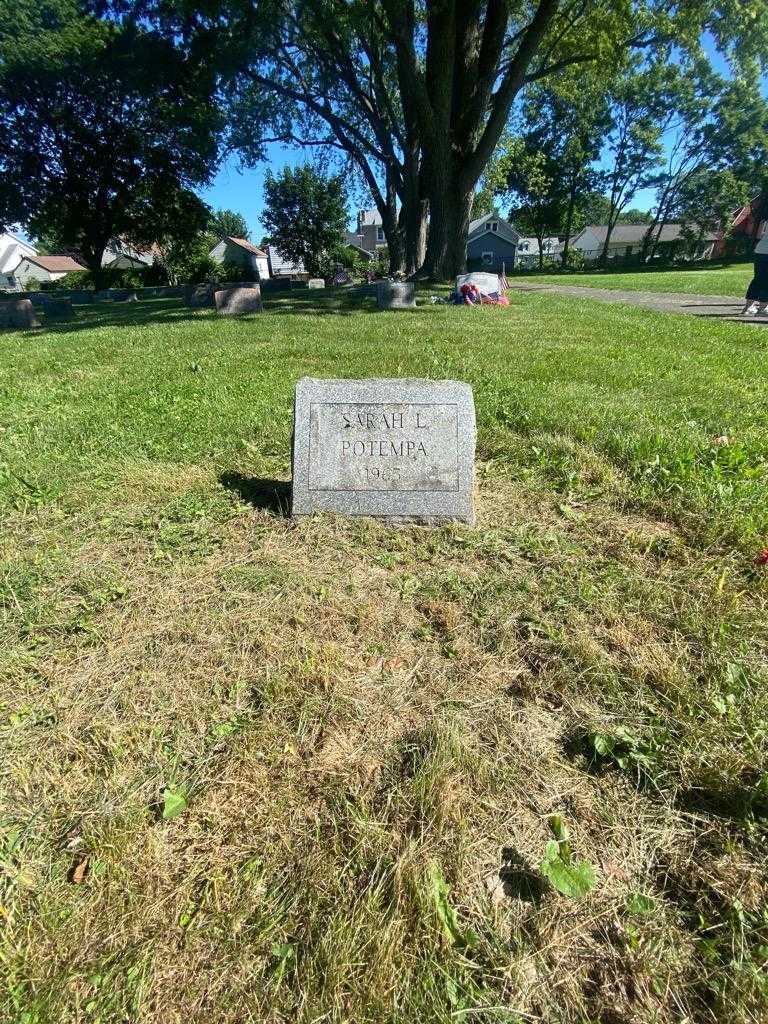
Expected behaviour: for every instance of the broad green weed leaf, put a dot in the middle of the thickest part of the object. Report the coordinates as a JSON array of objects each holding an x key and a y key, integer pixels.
[
  {"x": 174, "y": 802},
  {"x": 574, "y": 880},
  {"x": 638, "y": 903},
  {"x": 447, "y": 913}
]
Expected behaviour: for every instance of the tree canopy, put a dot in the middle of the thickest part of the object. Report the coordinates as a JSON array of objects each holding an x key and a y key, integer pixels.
[
  {"x": 228, "y": 224},
  {"x": 105, "y": 126},
  {"x": 413, "y": 97},
  {"x": 305, "y": 214}
]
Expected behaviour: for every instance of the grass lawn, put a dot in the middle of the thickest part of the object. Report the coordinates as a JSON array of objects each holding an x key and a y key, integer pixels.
[
  {"x": 731, "y": 280},
  {"x": 258, "y": 770}
]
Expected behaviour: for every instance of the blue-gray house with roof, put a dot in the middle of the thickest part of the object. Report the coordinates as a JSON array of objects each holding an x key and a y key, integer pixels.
[{"x": 491, "y": 244}]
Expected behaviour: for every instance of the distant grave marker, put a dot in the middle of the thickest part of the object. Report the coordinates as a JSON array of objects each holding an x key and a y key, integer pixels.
[
  {"x": 401, "y": 450},
  {"x": 59, "y": 310},
  {"x": 395, "y": 295},
  {"x": 234, "y": 301},
  {"x": 19, "y": 313},
  {"x": 199, "y": 296},
  {"x": 316, "y": 282}
]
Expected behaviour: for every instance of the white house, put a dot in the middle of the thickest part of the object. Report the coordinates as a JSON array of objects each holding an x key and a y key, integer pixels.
[
  {"x": 245, "y": 254},
  {"x": 492, "y": 243},
  {"x": 44, "y": 269},
  {"x": 528, "y": 250},
  {"x": 627, "y": 240},
  {"x": 279, "y": 266},
  {"x": 12, "y": 251}
]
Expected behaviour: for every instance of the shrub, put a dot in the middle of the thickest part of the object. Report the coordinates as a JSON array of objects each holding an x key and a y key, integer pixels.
[
  {"x": 229, "y": 271},
  {"x": 77, "y": 279},
  {"x": 575, "y": 260}
]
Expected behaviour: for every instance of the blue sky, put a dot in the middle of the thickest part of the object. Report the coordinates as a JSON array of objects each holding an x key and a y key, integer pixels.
[{"x": 243, "y": 190}]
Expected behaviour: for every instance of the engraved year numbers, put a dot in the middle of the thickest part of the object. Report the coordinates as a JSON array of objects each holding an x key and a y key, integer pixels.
[{"x": 389, "y": 474}]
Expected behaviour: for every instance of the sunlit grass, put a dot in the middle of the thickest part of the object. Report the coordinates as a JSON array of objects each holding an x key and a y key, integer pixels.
[
  {"x": 732, "y": 280},
  {"x": 258, "y": 770}
]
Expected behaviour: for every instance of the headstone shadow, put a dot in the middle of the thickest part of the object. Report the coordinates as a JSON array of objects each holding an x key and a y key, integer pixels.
[
  {"x": 273, "y": 496},
  {"x": 519, "y": 879}
]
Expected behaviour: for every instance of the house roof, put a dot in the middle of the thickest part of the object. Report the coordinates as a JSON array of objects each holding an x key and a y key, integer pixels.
[
  {"x": 482, "y": 225},
  {"x": 248, "y": 246},
  {"x": 120, "y": 248},
  {"x": 124, "y": 257},
  {"x": 350, "y": 244},
  {"x": 358, "y": 241},
  {"x": 529, "y": 245},
  {"x": 628, "y": 234},
  {"x": 54, "y": 264},
  {"x": 368, "y": 217}
]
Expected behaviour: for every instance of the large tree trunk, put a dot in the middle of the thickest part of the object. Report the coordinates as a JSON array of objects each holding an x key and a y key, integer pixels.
[
  {"x": 413, "y": 217},
  {"x": 450, "y": 211},
  {"x": 93, "y": 253},
  {"x": 392, "y": 231}
]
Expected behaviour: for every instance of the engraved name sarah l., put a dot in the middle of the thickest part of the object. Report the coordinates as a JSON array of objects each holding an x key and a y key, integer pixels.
[{"x": 418, "y": 442}]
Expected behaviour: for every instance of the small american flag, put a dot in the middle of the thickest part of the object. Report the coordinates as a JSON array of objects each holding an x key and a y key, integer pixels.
[{"x": 503, "y": 282}]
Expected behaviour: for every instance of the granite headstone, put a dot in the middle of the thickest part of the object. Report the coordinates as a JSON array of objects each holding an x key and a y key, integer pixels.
[
  {"x": 18, "y": 313},
  {"x": 485, "y": 282},
  {"x": 316, "y": 282},
  {"x": 58, "y": 309},
  {"x": 200, "y": 296},
  {"x": 395, "y": 295},
  {"x": 233, "y": 301},
  {"x": 400, "y": 450}
]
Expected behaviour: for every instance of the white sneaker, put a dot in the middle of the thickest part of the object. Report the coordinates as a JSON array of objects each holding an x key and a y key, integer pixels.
[
  {"x": 750, "y": 309},
  {"x": 762, "y": 310}
]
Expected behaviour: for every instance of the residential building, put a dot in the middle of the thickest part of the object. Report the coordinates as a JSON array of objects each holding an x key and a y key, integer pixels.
[
  {"x": 628, "y": 239},
  {"x": 245, "y": 254},
  {"x": 12, "y": 251},
  {"x": 492, "y": 243},
  {"x": 44, "y": 269},
  {"x": 369, "y": 235},
  {"x": 528, "y": 250},
  {"x": 280, "y": 266},
  {"x": 121, "y": 255}
]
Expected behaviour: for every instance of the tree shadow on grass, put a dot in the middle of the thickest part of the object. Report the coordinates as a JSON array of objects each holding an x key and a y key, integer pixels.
[{"x": 273, "y": 496}]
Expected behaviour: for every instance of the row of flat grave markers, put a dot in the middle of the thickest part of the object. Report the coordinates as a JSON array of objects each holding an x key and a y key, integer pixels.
[{"x": 398, "y": 450}]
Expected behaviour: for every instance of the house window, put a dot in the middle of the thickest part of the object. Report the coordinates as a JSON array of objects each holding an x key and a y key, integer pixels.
[
  {"x": 379, "y": 234},
  {"x": 628, "y": 251},
  {"x": 494, "y": 225},
  {"x": 487, "y": 259}
]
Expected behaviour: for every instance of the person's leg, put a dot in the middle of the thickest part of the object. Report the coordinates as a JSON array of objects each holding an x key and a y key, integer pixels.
[
  {"x": 751, "y": 305},
  {"x": 762, "y": 283}
]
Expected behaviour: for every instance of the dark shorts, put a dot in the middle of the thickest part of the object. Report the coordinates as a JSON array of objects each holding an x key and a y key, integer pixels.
[{"x": 758, "y": 289}]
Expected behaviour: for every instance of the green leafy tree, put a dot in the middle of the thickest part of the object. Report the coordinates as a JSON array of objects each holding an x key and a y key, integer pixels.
[
  {"x": 705, "y": 203},
  {"x": 564, "y": 123},
  {"x": 105, "y": 126},
  {"x": 594, "y": 208},
  {"x": 538, "y": 201},
  {"x": 640, "y": 114},
  {"x": 228, "y": 224},
  {"x": 305, "y": 214},
  {"x": 423, "y": 89}
]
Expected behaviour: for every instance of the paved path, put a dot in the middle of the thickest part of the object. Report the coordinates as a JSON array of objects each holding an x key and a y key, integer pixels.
[{"x": 721, "y": 307}]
